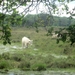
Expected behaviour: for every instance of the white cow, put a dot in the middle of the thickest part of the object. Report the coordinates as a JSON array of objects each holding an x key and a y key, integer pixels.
[{"x": 26, "y": 42}]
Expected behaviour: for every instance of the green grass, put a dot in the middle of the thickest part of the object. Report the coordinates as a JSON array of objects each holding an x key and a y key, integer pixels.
[{"x": 44, "y": 54}]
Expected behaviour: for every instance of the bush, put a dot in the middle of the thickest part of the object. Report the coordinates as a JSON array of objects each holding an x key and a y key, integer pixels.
[
  {"x": 24, "y": 65},
  {"x": 67, "y": 50},
  {"x": 6, "y": 56},
  {"x": 39, "y": 67},
  {"x": 17, "y": 57},
  {"x": 4, "y": 64},
  {"x": 0, "y": 57},
  {"x": 63, "y": 63}
]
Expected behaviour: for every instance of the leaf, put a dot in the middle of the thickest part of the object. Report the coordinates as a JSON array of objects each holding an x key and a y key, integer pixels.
[
  {"x": 73, "y": 14},
  {"x": 64, "y": 37},
  {"x": 59, "y": 0},
  {"x": 4, "y": 43},
  {"x": 57, "y": 41},
  {"x": 62, "y": 0},
  {"x": 68, "y": 1}
]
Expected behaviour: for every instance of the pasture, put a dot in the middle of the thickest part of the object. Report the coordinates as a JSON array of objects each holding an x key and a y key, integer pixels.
[{"x": 44, "y": 54}]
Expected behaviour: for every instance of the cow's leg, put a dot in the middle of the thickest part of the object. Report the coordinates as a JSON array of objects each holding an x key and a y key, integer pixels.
[{"x": 23, "y": 45}]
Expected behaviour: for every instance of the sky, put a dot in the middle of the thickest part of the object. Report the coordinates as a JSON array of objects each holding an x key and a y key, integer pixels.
[
  {"x": 43, "y": 9},
  {"x": 71, "y": 5}
]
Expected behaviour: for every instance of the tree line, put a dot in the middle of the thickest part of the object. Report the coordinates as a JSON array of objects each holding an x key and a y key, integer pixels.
[{"x": 42, "y": 20}]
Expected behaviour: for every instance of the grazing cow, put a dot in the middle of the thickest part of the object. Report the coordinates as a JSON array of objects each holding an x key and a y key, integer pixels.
[{"x": 26, "y": 42}]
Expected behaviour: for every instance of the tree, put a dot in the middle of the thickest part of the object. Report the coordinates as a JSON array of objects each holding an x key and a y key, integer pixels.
[
  {"x": 8, "y": 16},
  {"x": 67, "y": 33},
  {"x": 10, "y": 7}
]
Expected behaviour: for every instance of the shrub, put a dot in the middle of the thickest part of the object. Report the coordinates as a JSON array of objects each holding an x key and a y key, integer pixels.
[
  {"x": 6, "y": 56},
  {"x": 24, "y": 65},
  {"x": 67, "y": 50},
  {"x": 63, "y": 63},
  {"x": 17, "y": 57},
  {"x": 39, "y": 67},
  {"x": 4, "y": 64},
  {"x": 0, "y": 57}
]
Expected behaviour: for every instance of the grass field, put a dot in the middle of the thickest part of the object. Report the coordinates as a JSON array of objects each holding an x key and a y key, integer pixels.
[{"x": 44, "y": 54}]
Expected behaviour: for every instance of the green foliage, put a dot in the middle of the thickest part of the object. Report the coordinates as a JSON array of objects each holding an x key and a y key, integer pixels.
[
  {"x": 17, "y": 57},
  {"x": 71, "y": 31},
  {"x": 67, "y": 50},
  {"x": 39, "y": 67},
  {"x": 6, "y": 34},
  {"x": 7, "y": 20},
  {"x": 5, "y": 29},
  {"x": 4, "y": 64},
  {"x": 62, "y": 34},
  {"x": 65, "y": 33},
  {"x": 17, "y": 20},
  {"x": 63, "y": 37},
  {"x": 64, "y": 63},
  {"x": 24, "y": 65},
  {"x": 50, "y": 30},
  {"x": 64, "y": 0},
  {"x": 6, "y": 56}
]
